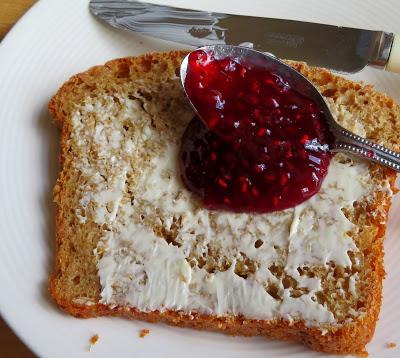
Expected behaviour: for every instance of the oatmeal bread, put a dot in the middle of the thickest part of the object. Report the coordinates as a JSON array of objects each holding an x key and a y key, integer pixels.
[{"x": 133, "y": 242}]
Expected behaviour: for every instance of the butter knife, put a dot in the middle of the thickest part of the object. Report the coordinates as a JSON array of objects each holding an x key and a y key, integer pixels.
[{"x": 341, "y": 49}]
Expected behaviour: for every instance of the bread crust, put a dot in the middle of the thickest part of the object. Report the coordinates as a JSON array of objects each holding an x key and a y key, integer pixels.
[{"x": 345, "y": 339}]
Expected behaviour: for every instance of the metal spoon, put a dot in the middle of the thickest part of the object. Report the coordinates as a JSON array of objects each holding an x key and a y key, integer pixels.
[{"x": 344, "y": 141}]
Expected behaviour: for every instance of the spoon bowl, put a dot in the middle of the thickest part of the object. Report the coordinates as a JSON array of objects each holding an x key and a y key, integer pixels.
[{"x": 344, "y": 141}]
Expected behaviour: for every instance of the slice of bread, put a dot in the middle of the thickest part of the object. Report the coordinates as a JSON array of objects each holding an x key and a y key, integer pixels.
[{"x": 133, "y": 242}]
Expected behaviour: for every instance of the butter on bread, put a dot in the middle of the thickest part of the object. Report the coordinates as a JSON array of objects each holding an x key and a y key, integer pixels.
[{"x": 133, "y": 242}]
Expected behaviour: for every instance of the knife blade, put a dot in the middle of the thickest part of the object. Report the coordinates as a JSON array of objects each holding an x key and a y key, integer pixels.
[{"x": 341, "y": 49}]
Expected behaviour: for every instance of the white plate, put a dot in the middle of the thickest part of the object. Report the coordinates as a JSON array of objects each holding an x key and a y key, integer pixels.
[{"x": 55, "y": 40}]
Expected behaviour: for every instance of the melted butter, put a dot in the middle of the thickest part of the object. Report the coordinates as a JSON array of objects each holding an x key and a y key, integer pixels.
[{"x": 137, "y": 268}]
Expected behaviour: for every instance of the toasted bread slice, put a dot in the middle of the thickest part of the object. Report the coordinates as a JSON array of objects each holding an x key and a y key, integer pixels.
[{"x": 133, "y": 242}]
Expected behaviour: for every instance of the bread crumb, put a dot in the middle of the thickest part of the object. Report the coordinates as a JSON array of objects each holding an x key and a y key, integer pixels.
[
  {"x": 391, "y": 345},
  {"x": 143, "y": 333},
  {"x": 93, "y": 340}
]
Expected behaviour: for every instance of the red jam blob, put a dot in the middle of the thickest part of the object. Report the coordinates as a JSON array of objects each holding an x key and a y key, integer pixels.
[{"x": 260, "y": 146}]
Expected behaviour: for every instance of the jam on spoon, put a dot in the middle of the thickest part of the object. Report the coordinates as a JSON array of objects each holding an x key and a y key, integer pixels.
[{"x": 259, "y": 144}]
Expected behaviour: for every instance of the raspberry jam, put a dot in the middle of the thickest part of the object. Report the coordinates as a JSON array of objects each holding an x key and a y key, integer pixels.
[{"x": 260, "y": 145}]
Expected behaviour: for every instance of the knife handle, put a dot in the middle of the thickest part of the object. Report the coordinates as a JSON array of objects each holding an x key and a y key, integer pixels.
[{"x": 393, "y": 64}]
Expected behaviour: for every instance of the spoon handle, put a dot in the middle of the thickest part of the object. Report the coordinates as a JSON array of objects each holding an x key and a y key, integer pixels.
[{"x": 346, "y": 141}]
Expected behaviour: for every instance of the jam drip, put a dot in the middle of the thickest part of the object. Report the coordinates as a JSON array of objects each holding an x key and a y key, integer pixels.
[{"x": 261, "y": 146}]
